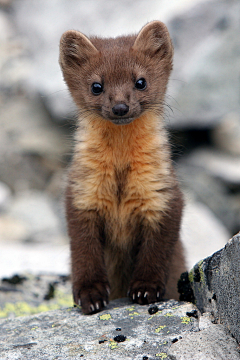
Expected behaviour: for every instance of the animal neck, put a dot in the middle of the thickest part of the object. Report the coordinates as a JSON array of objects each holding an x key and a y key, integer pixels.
[{"x": 122, "y": 144}]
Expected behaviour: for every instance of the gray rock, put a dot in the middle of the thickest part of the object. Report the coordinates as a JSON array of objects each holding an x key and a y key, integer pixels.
[
  {"x": 218, "y": 164},
  {"x": 6, "y": 28},
  {"x": 67, "y": 333},
  {"x": 204, "y": 84},
  {"x": 211, "y": 344},
  {"x": 5, "y": 195},
  {"x": 199, "y": 224},
  {"x": 216, "y": 285},
  {"x": 36, "y": 209},
  {"x": 32, "y": 147},
  {"x": 15, "y": 65},
  {"x": 121, "y": 331},
  {"x": 37, "y": 212},
  {"x": 212, "y": 192},
  {"x": 26, "y": 294},
  {"x": 226, "y": 136},
  {"x": 12, "y": 231}
]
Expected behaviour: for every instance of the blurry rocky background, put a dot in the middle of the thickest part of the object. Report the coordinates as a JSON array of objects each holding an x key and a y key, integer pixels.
[{"x": 37, "y": 120}]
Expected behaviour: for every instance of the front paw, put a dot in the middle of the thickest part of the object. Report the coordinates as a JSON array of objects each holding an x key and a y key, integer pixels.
[
  {"x": 92, "y": 298},
  {"x": 143, "y": 292}
]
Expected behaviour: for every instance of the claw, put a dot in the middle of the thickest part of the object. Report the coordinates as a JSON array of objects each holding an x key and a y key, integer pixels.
[
  {"x": 97, "y": 306},
  {"x": 133, "y": 296},
  {"x": 79, "y": 302},
  {"x": 145, "y": 294},
  {"x": 158, "y": 294},
  {"x": 139, "y": 294},
  {"x": 92, "y": 308},
  {"x": 108, "y": 290},
  {"x": 104, "y": 303}
]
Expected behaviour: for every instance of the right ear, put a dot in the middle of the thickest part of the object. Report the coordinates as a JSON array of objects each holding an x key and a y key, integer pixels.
[
  {"x": 75, "y": 49},
  {"x": 154, "y": 41}
]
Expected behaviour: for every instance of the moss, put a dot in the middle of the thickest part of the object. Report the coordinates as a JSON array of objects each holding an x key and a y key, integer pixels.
[
  {"x": 105, "y": 317},
  {"x": 133, "y": 314},
  {"x": 22, "y": 308},
  {"x": 160, "y": 328},
  {"x": 190, "y": 276},
  {"x": 202, "y": 276},
  {"x": 162, "y": 355},
  {"x": 63, "y": 299},
  {"x": 169, "y": 314},
  {"x": 185, "y": 320},
  {"x": 113, "y": 345},
  {"x": 152, "y": 316}
]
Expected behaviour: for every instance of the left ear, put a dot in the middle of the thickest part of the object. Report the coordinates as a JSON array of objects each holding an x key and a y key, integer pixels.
[{"x": 154, "y": 41}]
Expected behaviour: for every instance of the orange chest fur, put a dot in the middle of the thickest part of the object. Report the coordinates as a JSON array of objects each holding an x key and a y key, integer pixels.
[{"x": 120, "y": 170}]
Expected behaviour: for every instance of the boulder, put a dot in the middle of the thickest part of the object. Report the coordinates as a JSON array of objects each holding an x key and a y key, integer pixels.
[
  {"x": 204, "y": 85},
  {"x": 198, "y": 182},
  {"x": 226, "y": 135},
  {"x": 32, "y": 147},
  {"x": 216, "y": 285},
  {"x": 199, "y": 225},
  {"x": 5, "y": 195}
]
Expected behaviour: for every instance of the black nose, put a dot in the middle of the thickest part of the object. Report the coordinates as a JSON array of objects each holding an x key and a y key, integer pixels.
[{"x": 120, "y": 109}]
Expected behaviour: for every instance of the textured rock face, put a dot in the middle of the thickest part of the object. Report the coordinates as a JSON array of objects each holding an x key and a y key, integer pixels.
[
  {"x": 207, "y": 61},
  {"x": 209, "y": 344},
  {"x": 122, "y": 331},
  {"x": 216, "y": 285}
]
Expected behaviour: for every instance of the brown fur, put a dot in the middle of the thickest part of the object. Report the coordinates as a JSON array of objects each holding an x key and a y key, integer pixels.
[{"x": 123, "y": 202}]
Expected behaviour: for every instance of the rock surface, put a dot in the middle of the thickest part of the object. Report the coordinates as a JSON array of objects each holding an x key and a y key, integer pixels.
[
  {"x": 199, "y": 225},
  {"x": 209, "y": 344},
  {"x": 25, "y": 294},
  {"x": 122, "y": 331},
  {"x": 204, "y": 85},
  {"x": 216, "y": 285}
]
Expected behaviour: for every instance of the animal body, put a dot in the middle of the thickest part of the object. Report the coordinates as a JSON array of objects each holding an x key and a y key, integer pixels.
[{"x": 123, "y": 202}]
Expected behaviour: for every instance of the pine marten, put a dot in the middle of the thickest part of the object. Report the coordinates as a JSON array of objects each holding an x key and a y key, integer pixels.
[{"x": 123, "y": 203}]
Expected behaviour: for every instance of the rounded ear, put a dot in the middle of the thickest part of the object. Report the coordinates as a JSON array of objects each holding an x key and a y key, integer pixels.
[
  {"x": 75, "y": 49},
  {"x": 154, "y": 41}
]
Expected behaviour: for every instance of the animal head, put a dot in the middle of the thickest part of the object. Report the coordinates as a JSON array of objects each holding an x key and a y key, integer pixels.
[{"x": 118, "y": 79}]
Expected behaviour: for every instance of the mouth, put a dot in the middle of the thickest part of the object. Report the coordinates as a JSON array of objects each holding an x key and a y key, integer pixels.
[{"x": 123, "y": 121}]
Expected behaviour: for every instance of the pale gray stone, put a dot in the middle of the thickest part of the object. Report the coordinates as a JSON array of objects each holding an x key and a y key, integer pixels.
[
  {"x": 199, "y": 184},
  {"x": 199, "y": 224},
  {"x": 218, "y": 164},
  {"x": 204, "y": 84},
  {"x": 5, "y": 195},
  {"x": 67, "y": 333},
  {"x": 209, "y": 344},
  {"x": 32, "y": 147},
  {"x": 226, "y": 136}
]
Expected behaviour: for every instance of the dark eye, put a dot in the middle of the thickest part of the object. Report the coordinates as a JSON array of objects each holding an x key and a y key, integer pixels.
[
  {"x": 97, "y": 88},
  {"x": 141, "y": 84}
]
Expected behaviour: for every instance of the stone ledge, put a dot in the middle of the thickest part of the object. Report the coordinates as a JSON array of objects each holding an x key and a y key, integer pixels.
[{"x": 122, "y": 331}]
